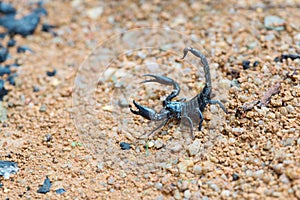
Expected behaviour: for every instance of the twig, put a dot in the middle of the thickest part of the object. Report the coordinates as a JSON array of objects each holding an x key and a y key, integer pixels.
[{"x": 264, "y": 100}]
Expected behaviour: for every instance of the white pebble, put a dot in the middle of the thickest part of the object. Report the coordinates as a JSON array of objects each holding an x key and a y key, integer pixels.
[
  {"x": 225, "y": 193},
  {"x": 197, "y": 169},
  {"x": 238, "y": 130},
  {"x": 194, "y": 148},
  {"x": 290, "y": 108},
  {"x": 187, "y": 194},
  {"x": 94, "y": 13}
]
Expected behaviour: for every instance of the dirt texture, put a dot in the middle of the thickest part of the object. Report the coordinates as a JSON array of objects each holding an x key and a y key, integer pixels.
[{"x": 76, "y": 129}]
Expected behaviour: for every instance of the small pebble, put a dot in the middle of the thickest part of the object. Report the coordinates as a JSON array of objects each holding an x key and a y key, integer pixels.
[
  {"x": 288, "y": 142},
  {"x": 187, "y": 194},
  {"x": 290, "y": 109},
  {"x": 283, "y": 111},
  {"x": 183, "y": 165},
  {"x": 45, "y": 187},
  {"x": 36, "y": 88},
  {"x": 11, "y": 43},
  {"x": 225, "y": 193},
  {"x": 125, "y": 146},
  {"x": 284, "y": 179},
  {"x": 194, "y": 148},
  {"x": 95, "y": 13},
  {"x": 235, "y": 177},
  {"x": 255, "y": 64},
  {"x": 160, "y": 197},
  {"x": 197, "y": 169},
  {"x": 214, "y": 187},
  {"x": 23, "y": 49},
  {"x": 267, "y": 146},
  {"x": 177, "y": 195},
  {"x": 51, "y": 73},
  {"x": 246, "y": 64},
  {"x": 3, "y": 54},
  {"x": 48, "y": 138},
  {"x": 158, "y": 144},
  {"x": 259, "y": 173},
  {"x": 274, "y": 23},
  {"x": 238, "y": 130},
  {"x": 158, "y": 186},
  {"x": 175, "y": 147},
  {"x": 110, "y": 180},
  {"x": 243, "y": 98},
  {"x": 43, "y": 108},
  {"x": 60, "y": 191}
]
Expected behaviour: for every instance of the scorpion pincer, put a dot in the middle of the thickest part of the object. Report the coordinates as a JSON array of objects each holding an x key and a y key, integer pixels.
[{"x": 180, "y": 109}]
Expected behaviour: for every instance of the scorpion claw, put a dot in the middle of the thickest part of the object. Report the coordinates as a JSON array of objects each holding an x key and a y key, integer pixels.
[
  {"x": 145, "y": 112},
  {"x": 159, "y": 79}
]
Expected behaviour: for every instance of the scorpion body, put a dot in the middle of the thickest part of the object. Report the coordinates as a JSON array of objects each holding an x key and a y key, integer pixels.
[{"x": 180, "y": 109}]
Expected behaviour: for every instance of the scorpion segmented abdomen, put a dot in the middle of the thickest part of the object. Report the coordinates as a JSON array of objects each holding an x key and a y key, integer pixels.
[{"x": 190, "y": 106}]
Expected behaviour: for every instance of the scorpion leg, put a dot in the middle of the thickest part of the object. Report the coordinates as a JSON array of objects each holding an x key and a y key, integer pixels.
[
  {"x": 158, "y": 127},
  {"x": 191, "y": 126},
  {"x": 201, "y": 119},
  {"x": 219, "y": 103},
  {"x": 166, "y": 81},
  {"x": 148, "y": 113}
]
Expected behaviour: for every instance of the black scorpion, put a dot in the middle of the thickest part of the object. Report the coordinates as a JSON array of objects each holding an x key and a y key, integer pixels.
[{"x": 180, "y": 109}]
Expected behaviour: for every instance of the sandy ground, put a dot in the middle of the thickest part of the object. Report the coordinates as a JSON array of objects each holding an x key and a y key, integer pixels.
[{"x": 251, "y": 153}]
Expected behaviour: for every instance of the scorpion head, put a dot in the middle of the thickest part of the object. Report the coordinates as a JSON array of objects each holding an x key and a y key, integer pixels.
[{"x": 174, "y": 108}]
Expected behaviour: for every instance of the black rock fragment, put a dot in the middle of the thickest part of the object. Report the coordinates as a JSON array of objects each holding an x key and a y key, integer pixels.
[
  {"x": 7, "y": 168},
  {"x": 3, "y": 54},
  {"x": 125, "y": 146},
  {"x": 4, "y": 70},
  {"x": 23, "y": 49},
  {"x": 255, "y": 64},
  {"x": 246, "y": 64},
  {"x": 286, "y": 56},
  {"x": 11, "y": 79},
  {"x": 45, "y": 187},
  {"x": 51, "y": 73},
  {"x": 60, "y": 191},
  {"x": 36, "y": 88},
  {"x": 47, "y": 28},
  {"x": 11, "y": 43},
  {"x": 235, "y": 177},
  {"x": 3, "y": 91},
  {"x": 24, "y": 26},
  {"x": 7, "y": 8}
]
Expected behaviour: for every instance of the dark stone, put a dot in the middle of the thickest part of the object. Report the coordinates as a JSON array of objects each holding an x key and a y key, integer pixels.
[
  {"x": 36, "y": 88},
  {"x": 3, "y": 91},
  {"x": 4, "y": 70},
  {"x": 23, "y": 49},
  {"x": 45, "y": 187},
  {"x": 24, "y": 26},
  {"x": 235, "y": 177},
  {"x": 51, "y": 73},
  {"x": 255, "y": 64},
  {"x": 246, "y": 64},
  {"x": 125, "y": 146},
  {"x": 47, "y": 27},
  {"x": 60, "y": 191},
  {"x": 11, "y": 43},
  {"x": 7, "y": 8},
  {"x": 2, "y": 35},
  {"x": 3, "y": 54},
  {"x": 11, "y": 79},
  {"x": 286, "y": 56}
]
